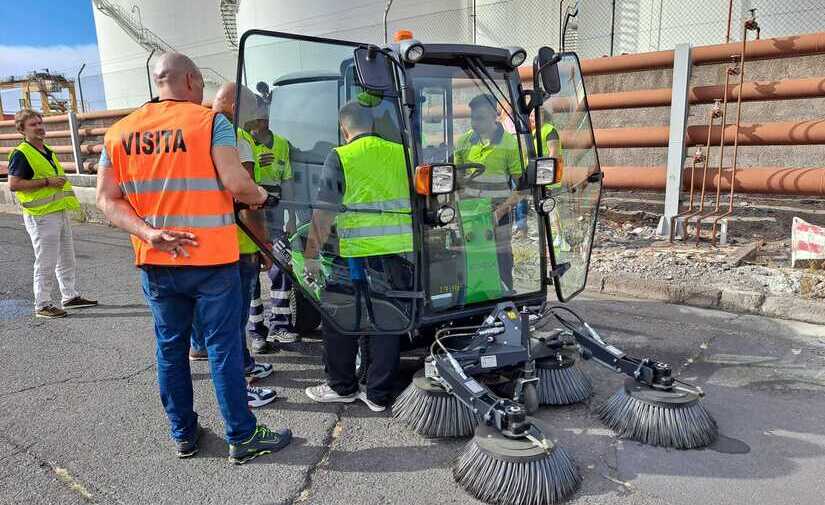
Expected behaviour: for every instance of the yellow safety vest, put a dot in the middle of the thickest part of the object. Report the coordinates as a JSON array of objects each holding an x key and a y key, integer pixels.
[
  {"x": 375, "y": 179},
  {"x": 46, "y": 200}
]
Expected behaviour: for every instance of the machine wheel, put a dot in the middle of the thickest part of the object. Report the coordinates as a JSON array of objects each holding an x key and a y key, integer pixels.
[
  {"x": 305, "y": 319},
  {"x": 531, "y": 398}
]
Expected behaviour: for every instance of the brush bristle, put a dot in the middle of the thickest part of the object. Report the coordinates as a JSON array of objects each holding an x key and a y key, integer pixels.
[
  {"x": 683, "y": 426},
  {"x": 434, "y": 415},
  {"x": 534, "y": 481},
  {"x": 563, "y": 386}
]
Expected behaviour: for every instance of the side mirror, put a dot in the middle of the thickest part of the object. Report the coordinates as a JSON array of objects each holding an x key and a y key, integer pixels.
[
  {"x": 374, "y": 70},
  {"x": 546, "y": 69},
  {"x": 437, "y": 179}
]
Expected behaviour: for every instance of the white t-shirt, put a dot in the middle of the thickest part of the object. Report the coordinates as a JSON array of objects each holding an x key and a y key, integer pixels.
[{"x": 245, "y": 151}]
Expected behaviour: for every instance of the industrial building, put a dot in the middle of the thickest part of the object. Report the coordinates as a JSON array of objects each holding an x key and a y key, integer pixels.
[{"x": 208, "y": 31}]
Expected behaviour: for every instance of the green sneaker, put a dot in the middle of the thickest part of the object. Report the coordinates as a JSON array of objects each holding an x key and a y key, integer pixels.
[{"x": 263, "y": 441}]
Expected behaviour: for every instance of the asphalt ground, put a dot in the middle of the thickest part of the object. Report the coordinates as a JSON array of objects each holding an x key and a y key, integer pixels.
[{"x": 81, "y": 421}]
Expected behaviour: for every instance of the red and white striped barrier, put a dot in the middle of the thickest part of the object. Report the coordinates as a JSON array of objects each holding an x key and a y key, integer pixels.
[{"x": 807, "y": 243}]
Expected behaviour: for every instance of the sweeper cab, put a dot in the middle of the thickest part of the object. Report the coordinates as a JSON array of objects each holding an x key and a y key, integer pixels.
[
  {"x": 480, "y": 153},
  {"x": 419, "y": 95}
]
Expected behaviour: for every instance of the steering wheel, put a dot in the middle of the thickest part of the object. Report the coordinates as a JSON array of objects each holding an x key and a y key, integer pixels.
[{"x": 463, "y": 167}]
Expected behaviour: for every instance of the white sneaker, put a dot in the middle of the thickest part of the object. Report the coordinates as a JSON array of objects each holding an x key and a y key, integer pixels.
[
  {"x": 362, "y": 395},
  {"x": 325, "y": 394},
  {"x": 283, "y": 336},
  {"x": 258, "y": 397}
]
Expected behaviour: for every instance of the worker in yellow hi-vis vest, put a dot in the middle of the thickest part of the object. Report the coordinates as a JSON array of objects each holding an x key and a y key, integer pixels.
[
  {"x": 46, "y": 197},
  {"x": 367, "y": 179},
  {"x": 272, "y": 168}
]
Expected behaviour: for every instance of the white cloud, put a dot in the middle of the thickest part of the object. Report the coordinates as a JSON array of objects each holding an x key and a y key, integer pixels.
[{"x": 20, "y": 60}]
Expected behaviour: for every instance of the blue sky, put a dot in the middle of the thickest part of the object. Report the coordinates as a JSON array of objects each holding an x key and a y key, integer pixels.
[
  {"x": 54, "y": 34},
  {"x": 47, "y": 23}
]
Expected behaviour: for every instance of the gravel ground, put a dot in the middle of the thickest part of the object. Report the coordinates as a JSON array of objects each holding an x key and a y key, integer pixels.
[{"x": 626, "y": 242}]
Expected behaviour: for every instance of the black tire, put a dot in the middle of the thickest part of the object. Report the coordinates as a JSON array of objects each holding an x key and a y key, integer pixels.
[
  {"x": 305, "y": 318},
  {"x": 531, "y": 398}
]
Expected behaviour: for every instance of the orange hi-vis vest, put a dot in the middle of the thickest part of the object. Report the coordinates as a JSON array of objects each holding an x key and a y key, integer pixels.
[{"x": 162, "y": 159}]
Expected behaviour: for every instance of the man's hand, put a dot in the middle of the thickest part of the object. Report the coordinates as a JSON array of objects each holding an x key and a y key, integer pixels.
[
  {"x": 312, "y": 270},
  {"x": 171, "y": 241},
  {"x": 260, "y": 202},
  {"x": 55, "y": 182},
  {"x": 266, "y": 159},
  {"x": 266, "y": 262}
]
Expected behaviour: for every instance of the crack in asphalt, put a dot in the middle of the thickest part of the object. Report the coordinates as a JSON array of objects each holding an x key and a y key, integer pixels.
[
  {"x": 71, "y": 380},
  {"x": 60, "y": 474},
  {"x": 332, "y": 434}
]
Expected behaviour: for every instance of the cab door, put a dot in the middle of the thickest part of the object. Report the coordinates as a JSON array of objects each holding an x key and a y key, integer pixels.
[
  {"x": 571, "y": 224},
  {"x": 326, "y": 230}
]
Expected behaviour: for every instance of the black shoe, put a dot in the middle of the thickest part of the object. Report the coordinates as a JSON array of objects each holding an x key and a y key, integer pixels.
[
  {"x": 78, "y": 302},
  {"x": 259, "y": 345},
  {"x": 263, "y": 441},
  {"x": 188, "y": 448}
]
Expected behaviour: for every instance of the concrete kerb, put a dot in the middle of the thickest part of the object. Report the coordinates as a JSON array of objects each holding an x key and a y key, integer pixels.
[{"x": 733, "y": 300}]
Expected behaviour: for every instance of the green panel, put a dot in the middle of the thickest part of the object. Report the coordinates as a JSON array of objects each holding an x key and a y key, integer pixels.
[{"x": 483, "y": 279}]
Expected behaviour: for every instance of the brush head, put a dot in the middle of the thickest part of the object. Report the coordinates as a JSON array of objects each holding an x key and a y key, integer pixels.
[
  {"x": 503, "y": 471},
  {"x": 560, "y": 382},
  {"x": 429, "y": 410},
  {"x": 662, "y": 418}
]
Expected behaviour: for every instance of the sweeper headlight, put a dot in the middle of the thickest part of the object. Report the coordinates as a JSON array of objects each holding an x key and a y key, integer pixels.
[
  {"x": 545, "y": 171},
  {"x": 517, "y": 56},
  {"x": 434, "y": 179},
  {"x": 445, "y": 215},
  {"x": 547, "y": 205},
  {"x": 411, "y": 50}
]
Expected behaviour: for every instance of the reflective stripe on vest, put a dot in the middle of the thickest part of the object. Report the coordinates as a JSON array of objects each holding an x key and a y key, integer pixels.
[
  {"x": 46, "y": 200},
  {"x": 378, "y": 220},
  {"x": 140, "y": 187},
  {"x": 374, "y": 231},
  {"x": 161, "y": 157},
  {"x": 49, "y": 199},
  {"x": 168, "y": 221}
]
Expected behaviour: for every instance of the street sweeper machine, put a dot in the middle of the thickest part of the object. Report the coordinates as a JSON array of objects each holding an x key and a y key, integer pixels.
[{"x": 409, "y": 167}]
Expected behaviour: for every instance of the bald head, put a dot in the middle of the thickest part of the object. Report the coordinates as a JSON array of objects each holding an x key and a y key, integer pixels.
[
  {"x": 224, "y": 101},
  {"x": 178, "y": 78}
]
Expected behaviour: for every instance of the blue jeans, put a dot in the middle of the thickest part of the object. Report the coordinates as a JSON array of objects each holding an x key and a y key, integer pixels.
[
  {"x": 521, "y": 215},
  {"x": 248, "y": 267},
  {"x": 177, "y": 297}
]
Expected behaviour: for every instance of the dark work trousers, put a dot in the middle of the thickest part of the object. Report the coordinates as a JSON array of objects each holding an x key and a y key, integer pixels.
[
  {"x": 504, "y": 249},
  {"x": 384, "y": 350}
]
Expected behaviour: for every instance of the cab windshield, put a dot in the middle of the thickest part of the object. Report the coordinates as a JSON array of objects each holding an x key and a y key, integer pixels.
[{"x": 490, "y": 250}]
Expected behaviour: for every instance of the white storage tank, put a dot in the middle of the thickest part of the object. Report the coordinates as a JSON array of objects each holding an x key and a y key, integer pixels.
[{"x": 189, "y": 26}]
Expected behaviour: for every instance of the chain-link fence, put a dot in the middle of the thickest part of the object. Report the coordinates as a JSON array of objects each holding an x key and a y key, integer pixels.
[{"x": 592, "y": 28}]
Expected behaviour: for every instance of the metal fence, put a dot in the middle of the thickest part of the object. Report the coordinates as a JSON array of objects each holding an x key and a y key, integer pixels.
[{"x": 599, "y": 28}]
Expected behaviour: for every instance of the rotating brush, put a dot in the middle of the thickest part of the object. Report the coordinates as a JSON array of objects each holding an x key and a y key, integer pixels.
[
  {"x": 428, "y": 409},
  {"x": 500, "y": 470},
  {"x": 561, "y": 382},
  {"x": 674, "y": 418}
]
